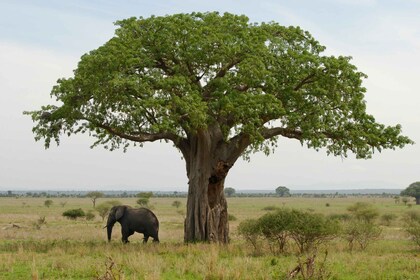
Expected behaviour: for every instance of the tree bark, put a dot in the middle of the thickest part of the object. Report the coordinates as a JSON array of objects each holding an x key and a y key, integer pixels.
[{"x": 207, "y": 217}]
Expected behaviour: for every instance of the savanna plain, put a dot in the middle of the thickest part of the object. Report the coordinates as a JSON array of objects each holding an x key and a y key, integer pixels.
[{"x": 37, "y": 242}]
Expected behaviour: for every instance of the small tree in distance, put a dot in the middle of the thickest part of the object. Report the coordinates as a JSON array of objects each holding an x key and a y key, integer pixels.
[
  {"x": 283, "y": 191},
  {"x": 414, "y": 191},
  {"x": 48, "y": 203},
  {"x": 229, "y": 191},
  {"x": 94, "y": 196},
  {"x": 144, "y": 198},
  {"x": 103, "y": 208},
  {"x": 176, "y": 204}
]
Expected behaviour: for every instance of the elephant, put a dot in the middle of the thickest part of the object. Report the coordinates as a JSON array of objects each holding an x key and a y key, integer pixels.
[{"x": 140, "y": 220}]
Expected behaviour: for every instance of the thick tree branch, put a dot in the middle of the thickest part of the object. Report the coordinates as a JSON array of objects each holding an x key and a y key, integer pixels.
[
  {"x": 236, "y": 146},
  {"x": 222, "y": 72},
  {"x": 286, "y": 132},
  {"x": 306, "y": 80},
  {"x": 140, "y": 137},
  {"x": 161, "y": 64}
]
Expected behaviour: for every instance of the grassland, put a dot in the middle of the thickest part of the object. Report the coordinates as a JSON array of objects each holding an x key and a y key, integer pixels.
[{"x": 66, "y": 249}]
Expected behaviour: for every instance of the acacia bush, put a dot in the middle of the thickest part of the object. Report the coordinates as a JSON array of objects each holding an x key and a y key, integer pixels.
[
  {"x": 361, "y": 232},
  {"x": 309, "y": 230},
  {"x": 250, "y": 230},
  {"x": 306, "y": 230},
  {"x": 90, "y": 216},
  {"x": 275, "y": 227},
  {"x": 103, "y": 208},
  {"x": 412, "y": 226},
  {"x": 73, "y": 214},
  {"x": 361, "y": 228},
  {"x": 363, "y": 211},
  {"x": 270, "y": 208},
  {"x": 387, "y": 219}
]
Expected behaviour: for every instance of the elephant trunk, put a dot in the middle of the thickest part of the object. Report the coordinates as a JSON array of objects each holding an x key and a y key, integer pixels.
[{"x": 109, "y": 226}]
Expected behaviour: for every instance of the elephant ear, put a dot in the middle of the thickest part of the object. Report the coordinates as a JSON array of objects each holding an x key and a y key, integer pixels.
[{"x": 120, "y": 212}]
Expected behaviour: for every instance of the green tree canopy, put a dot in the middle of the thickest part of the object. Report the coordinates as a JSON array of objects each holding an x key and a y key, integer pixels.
[
  {"x": 413, "y": 190},
  {"x": 218, "y": 87},
  {"x": 229, "y": 191},
  {"x": 282, "y": 191},
  {"x": 94, "y": 196}
]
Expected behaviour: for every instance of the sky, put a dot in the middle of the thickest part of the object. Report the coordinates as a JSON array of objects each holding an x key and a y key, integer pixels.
[{"x": 43, "y": 40}]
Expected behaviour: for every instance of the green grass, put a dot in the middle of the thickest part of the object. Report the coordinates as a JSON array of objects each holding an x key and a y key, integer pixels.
[{"x": 66, "y": 249}]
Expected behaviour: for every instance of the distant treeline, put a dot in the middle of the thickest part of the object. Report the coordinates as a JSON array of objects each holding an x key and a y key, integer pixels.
[{"x": 128, "y": 194}]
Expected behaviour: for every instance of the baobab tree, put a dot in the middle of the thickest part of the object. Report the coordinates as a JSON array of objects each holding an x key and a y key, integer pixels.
[{"x": 219, "y": 88}]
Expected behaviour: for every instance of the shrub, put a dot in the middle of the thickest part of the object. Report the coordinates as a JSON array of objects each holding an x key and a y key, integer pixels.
[
  {"x": 412, "y": 226},
  {"x": 103, "y": 208},
  {"x": 361, "y": 232},
  {"x": 41, "y": 221},
  {"x": 144, "y": 198},
  {"x": 361, "y": 229},
  {"x": 73, "y": 214},
  {"x": 363, "y": 211},
  {"x": 90, "y": 215},
  {"x": 387, "y": 219},
  {"x": 176, "y": 204},
  {"x": 309, "y": 230},
  {"x": 270, "y": 208},
  {"x": 340, "y": 217},
  {"x": 143, "y": 201},
  {"x": 48, "y": 203},
  {"x": 231, "y": 217},
  {"x": 250, "y": 230},
  {"x": 275, "y": 227}
]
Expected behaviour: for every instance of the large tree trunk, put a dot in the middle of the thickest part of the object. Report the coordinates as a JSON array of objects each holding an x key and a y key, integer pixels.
[{"x": 207, "y": 218}]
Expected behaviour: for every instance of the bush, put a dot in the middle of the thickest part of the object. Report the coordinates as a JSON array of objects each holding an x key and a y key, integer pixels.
[
  {"x": 275, "y": 227},
  {"x": 144, "y": 201},
  {"x": 387, "y": 219},
  {"x": 90, "y": 215},
  {"x": 307, "y": 230},
  {"x": 250, "y": 230},
  {"x": 361, "y": 232},
  {"x": 48, "y": 203},
  {"x": 412, "y": 226},
  {"x": 103, "y": 208},
  {"x": 270, "y": 208},
  {"x": 361, "y": 229},
  {"x": 176, "y": 204},
  {"x": 231, "y": 217},
  {"x": 73, "y": 214},
  {"x": 363, "y": 211},
  {"x": 340, "y": 217}
]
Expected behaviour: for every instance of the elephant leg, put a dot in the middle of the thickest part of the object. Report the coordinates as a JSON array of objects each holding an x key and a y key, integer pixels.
[{"x": 125, "y": 234}]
